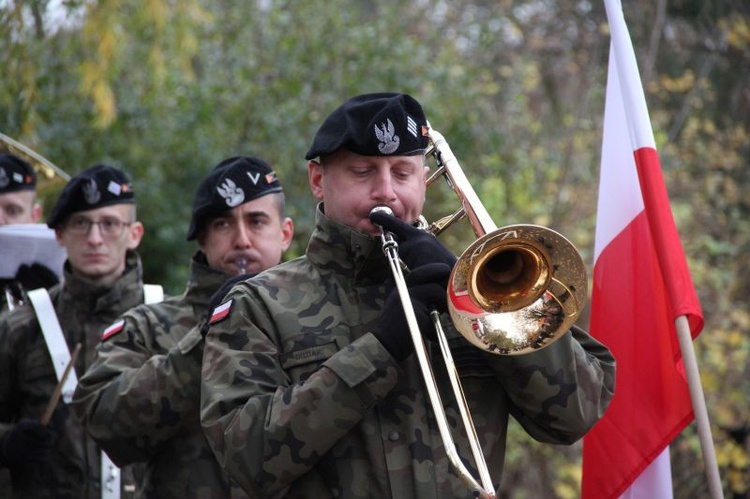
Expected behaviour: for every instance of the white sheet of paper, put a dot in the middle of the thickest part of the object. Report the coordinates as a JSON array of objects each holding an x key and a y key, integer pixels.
[{"x": 29, "y": 243}]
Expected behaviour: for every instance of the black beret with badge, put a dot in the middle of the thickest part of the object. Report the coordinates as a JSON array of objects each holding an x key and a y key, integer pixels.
[
  {"x": 16, "y": 174},
  {"x": 231, "y": 183},
  {"x": 95, "y": 187},
  {"x": 379, "y": 124}
]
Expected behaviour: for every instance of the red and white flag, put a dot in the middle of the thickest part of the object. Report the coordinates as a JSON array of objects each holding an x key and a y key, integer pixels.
[{"x": 641, "y": 284}]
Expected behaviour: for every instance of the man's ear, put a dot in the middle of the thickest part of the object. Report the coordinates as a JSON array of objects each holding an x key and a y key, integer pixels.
[
  {"x": 315, "y": 174},
  {"x": 36, "y": 213},
  {"x": 287, "y": 232},
  {"x": 135, "y": 234}
]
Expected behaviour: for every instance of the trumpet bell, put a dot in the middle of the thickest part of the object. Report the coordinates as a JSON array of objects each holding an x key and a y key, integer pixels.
[{"x": 517, "y": 289}]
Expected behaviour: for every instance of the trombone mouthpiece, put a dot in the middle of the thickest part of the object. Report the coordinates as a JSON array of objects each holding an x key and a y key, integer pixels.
[
  {"x": 382, "y": 209},
  {"x": 389, "y": 244},
  {"x": 241, "y": 264}
]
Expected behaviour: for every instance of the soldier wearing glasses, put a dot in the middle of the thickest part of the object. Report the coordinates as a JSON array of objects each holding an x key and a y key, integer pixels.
[{"x": 95, "y": 221}]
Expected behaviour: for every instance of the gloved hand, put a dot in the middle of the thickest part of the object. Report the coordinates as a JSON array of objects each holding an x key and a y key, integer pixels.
[
  {"x": 427, "y": 288},
  {"x": 416, "y": 247},
  {"x": 36, "y": 276},
  {"x": 28, "y": 441}
]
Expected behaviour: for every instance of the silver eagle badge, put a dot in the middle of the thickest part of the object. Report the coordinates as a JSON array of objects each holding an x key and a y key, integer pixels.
[
  {"x": 91, "y": 192},
  {"x": 232, "y": 194},
  {"x": 387, "y": 137}
]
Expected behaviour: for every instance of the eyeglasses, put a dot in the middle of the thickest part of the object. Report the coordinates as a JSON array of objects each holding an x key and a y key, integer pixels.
[{"x": 108, "y": 227}]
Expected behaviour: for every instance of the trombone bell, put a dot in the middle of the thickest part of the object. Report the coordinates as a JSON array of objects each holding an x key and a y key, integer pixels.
[{"x": 517, "y": 289}]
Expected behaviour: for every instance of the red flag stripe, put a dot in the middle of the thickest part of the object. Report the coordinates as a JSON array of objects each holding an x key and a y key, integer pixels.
[
  {"x": 666, "y": 239},
  {"x": 629, "y": 313}
]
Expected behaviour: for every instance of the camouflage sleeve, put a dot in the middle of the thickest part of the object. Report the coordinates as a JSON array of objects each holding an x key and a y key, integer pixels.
[
  {"x": 266, "y": 430},
  {"x": 560, "y": 391},
  {"x": 131, "y": 401}
]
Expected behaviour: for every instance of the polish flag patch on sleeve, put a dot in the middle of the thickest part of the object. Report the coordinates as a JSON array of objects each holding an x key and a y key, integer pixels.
[
  {"x": 221, "y": 312},
  {"x": 113, "y": 329}
]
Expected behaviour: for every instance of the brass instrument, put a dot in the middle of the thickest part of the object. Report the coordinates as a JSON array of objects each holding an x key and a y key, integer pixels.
[
  {"x": 45, "y": 168},
  {"x": 514, "y": 290}
]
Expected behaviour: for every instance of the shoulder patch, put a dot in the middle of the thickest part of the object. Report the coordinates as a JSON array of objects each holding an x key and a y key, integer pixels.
[
  {"x": 113, "y": 329},
  {"x": 221, "y": 312}
]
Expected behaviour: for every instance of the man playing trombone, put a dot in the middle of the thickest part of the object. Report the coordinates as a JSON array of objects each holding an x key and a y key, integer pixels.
[{"x": 311, "y": 386}]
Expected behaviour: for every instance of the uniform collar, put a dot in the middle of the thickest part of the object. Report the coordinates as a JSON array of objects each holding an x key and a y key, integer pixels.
[
  {"x": 204, "y": 280},
  {"x": 339, "y": 247},
  {"x": 98, "y": 296}
]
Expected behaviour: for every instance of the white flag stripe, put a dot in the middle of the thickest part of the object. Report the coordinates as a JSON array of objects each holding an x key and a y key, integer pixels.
[
  {"x": 632, "y": 90},
  {"x": 620, "y": 199},
  {"x": 655, "y": 481}
]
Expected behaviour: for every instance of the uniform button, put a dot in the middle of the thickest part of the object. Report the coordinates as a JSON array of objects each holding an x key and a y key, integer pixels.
[{"x": 394, "y": 436}]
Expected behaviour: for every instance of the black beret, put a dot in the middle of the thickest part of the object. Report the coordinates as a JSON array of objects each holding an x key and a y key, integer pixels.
[
  {"x": 380, "y": 124},
  {"x": 16, "y": 174},
  {"x": 97, "y": 186},
  {"x": 231, "y": 183}
]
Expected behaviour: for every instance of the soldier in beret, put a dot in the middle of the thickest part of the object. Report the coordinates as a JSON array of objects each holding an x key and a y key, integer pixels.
[
  {"x": 311, "y": 388},
  {"x": 18, "y": 205},
  {"x": 95, "y": 221},
  {"x": 140, "y": 398}
]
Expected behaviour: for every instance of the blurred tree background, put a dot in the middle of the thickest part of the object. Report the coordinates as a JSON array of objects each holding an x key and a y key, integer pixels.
[{"x": 165, "y": 89}]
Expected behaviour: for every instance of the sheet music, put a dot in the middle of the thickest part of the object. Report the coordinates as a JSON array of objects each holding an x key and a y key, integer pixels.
[{"x": 29, "y": 243}]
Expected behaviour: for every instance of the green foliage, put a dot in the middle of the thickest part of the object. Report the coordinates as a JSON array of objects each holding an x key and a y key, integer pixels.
[{"x": 167, "y": 89}]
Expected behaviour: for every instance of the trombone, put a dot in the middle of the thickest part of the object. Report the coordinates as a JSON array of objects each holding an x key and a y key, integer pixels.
[
  {"x": 514, "y": 290},
  {"x": 41, "y": 164}
]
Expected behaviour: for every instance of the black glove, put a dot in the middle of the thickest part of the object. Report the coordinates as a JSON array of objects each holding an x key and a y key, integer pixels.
[
  {"x": 427, "y": 288},
  {"x": 28, "y": 441},
  {"x": 36, "y": 276},
  {"x": 218, "y": 297},
  {"x": 416, "y": 247}
]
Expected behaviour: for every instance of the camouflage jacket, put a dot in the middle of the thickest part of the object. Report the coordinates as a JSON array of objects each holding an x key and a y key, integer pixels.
[
  {"x": 140, "y": 398},
  {"x": 301, "y": 400},
  {"x": 27, "y": 378}
]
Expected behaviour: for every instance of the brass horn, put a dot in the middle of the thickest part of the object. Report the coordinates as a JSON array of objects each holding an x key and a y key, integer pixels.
[
  {"x": 41, "y": 164},
  {"x": 514, "y": 290}
]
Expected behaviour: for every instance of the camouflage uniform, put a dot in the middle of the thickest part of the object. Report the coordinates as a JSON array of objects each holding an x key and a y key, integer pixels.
[
  {"x": 27, "y": 377},
  {"x": 301, "y": 400},
  {"x": 140, "y": 398}
]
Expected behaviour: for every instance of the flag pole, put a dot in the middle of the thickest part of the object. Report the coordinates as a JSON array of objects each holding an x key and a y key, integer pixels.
[{"x": 699, "y": 407}]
